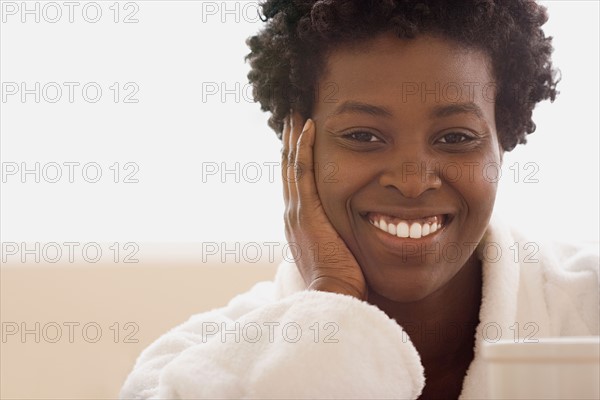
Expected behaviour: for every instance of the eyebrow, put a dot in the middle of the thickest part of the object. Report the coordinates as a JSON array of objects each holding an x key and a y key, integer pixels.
[
  {"x": 357, "y": 107},
  {"x": 460, "y": 108}
]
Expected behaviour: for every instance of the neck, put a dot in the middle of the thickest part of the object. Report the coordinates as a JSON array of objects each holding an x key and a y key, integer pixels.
[{"x": 442, "y": 325}]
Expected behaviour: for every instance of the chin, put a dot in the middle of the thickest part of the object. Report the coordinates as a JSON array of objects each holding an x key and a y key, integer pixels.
[{"x": 405, "y": 290}]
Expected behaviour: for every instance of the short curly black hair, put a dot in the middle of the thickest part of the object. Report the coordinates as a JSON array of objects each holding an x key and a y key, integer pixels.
[{"x": 290, "y": 51}]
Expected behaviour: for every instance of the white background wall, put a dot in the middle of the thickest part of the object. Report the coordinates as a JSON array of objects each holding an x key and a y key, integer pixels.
[{"x": 174, "y": 51}]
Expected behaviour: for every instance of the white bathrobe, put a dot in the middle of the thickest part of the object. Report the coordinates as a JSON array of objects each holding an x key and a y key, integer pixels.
[{"x": 279, "y": 340}]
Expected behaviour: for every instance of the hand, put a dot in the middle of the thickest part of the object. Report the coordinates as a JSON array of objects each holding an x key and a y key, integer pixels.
[{"x": 307, "y": 225}]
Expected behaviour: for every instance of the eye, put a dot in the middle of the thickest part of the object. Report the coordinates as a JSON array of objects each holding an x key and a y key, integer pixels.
[
  {"x": 362, "y": 136},
  {"x": 455, "y": 138}
]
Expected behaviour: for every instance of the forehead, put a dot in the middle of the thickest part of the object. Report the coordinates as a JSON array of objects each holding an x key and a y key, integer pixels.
[{"x": 426, "y": 68}]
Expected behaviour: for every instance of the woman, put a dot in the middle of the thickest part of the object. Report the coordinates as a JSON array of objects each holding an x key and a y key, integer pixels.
[{"x": 394, "y": 118}]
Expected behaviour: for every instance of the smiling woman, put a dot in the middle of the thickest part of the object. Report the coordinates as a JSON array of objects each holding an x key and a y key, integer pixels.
[{"x": 400, "y": 267}]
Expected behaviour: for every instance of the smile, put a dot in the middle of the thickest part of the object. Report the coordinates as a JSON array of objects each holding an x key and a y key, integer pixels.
[{"x": 407, "y": 228}]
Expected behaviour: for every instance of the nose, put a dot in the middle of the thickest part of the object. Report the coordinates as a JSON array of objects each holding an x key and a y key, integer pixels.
[{"x": 411, "y": 175}]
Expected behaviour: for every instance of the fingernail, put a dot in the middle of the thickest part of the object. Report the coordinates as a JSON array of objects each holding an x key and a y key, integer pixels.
[{"x": 307, "y": 125}]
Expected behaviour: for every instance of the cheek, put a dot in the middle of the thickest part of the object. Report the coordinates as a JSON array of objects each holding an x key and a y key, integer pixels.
[
  {"x": 476, "y": 182},
  {"x": 338, "y": 180}
]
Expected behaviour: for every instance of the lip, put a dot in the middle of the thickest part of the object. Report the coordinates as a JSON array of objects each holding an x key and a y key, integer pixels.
[{"x": 410, "y": 214}]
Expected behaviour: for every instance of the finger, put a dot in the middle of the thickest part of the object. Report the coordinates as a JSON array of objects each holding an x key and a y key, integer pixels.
[
  {"x": 285, "y": 141},
  {"x": 305, "y": 177},
  {"x": 296, "y": 130},
  {"x": 290, "y": 171}
]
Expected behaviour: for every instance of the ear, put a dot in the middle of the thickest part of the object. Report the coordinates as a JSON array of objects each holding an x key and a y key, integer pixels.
[{"x": 500, "y": 151}]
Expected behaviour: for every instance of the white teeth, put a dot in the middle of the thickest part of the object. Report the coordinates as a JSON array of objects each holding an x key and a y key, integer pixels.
[
  {"x": 415, "y": 230},
  {"x": 402, "y": 230},
  {"x": 392, "y": 229},
  {"x": 383, "y": 225}
]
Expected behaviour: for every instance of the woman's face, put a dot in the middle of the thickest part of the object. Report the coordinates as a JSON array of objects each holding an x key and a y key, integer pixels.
[{"x": 406, "y": 134}]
